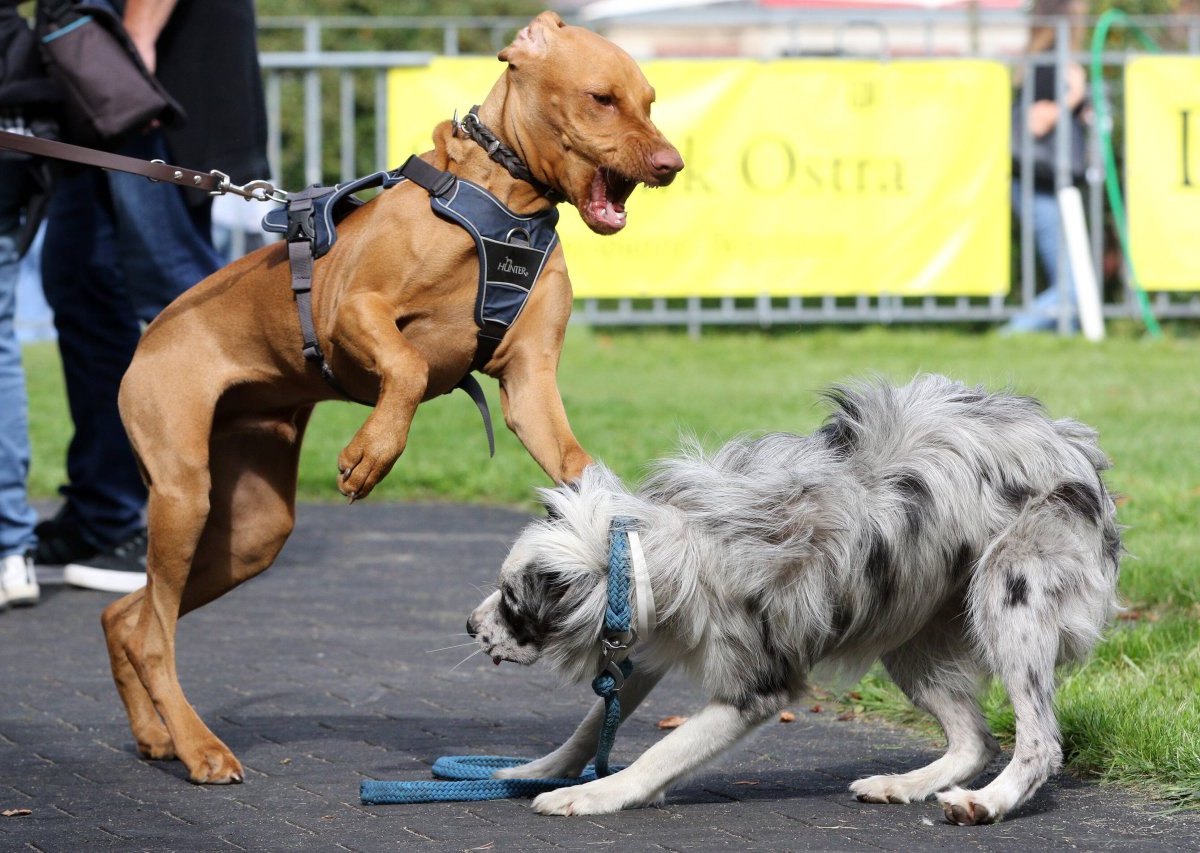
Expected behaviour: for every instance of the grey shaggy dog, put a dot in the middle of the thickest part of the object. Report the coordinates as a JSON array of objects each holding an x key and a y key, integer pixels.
[{"x": 953, "y": 533}]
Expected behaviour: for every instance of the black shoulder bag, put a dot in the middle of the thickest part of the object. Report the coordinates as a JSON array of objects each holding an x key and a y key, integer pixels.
[{"x": 109, "y": 92}]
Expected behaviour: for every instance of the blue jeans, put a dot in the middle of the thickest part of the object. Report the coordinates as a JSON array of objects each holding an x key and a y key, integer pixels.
[
  {"x": 17, "y": 517},
  {"x": 118, "y": 249},
  {"x": 1042, "y": 314}
]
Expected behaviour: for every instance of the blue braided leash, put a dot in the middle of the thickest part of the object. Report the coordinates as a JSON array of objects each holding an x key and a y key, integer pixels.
[{"x": 468, "y": 778}]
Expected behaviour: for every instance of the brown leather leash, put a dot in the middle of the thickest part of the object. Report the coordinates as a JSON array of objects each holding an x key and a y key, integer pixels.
[{"x": 214, "y": 182}]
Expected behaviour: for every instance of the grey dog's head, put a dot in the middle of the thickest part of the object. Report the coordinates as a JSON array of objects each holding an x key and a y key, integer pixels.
[{"x": 553, "y": 585}]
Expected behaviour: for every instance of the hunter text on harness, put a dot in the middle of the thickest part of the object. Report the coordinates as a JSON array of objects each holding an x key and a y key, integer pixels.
[
  {"x": 469, "y": 777},
  {"x": 511, "y": 249}
]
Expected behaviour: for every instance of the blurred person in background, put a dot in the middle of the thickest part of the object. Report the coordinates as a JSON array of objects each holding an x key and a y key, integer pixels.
[
  {"x": 119, "y": 248},
  {"x": 27, "y": 102},
  {"x": 1042, "y": 121}
]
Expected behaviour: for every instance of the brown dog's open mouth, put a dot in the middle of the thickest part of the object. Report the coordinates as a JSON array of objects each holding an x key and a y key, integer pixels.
[{"x": 604, "y": 211}]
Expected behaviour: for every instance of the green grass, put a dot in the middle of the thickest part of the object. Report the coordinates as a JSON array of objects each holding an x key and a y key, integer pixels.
[{"x": 1131, "y": 715}]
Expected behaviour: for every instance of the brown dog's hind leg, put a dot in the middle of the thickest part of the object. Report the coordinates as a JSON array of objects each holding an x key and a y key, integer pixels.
[
  {"x": 253, "y": 481},
  {"x": 152, "y": 738}
]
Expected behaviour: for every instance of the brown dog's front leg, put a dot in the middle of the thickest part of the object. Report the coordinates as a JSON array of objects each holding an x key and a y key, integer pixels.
[
  {"x": 366, "y": 331},
  {"x": 534, "y": 411}
]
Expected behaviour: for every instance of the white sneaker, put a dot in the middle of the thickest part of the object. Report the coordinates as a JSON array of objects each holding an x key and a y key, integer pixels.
[{"x": 18, "y": 581}]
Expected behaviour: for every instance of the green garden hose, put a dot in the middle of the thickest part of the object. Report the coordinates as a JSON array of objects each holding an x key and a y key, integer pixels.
[{"x": 1112, "y": 182}]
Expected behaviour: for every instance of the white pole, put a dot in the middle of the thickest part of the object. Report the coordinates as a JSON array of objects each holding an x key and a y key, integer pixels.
[{"x": 1087, "y": 289}]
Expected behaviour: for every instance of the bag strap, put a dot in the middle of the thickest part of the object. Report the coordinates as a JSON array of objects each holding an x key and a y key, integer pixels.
[{"x": 54, "y": 10}]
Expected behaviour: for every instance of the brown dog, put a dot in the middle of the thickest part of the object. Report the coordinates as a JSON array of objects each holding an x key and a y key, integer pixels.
[{"x": 218, "y": 395}]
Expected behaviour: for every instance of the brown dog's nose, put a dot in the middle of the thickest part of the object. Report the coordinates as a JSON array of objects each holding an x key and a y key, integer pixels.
[{"x": 666, "y": 163}]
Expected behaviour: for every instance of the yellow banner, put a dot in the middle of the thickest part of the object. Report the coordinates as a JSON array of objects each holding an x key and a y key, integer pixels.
[
  {"x": 803, "y": 177},
  {"x": 1162, "y": 170}
]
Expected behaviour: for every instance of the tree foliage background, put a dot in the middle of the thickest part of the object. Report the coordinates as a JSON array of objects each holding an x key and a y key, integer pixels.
[
  {"x": 486, "y": 35},
  {"x": 473, "y": 40},
  {"x": 483, "y": 37}
]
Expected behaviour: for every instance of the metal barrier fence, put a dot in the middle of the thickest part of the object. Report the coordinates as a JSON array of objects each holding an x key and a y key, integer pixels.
[{"x": 359, "y": 79}]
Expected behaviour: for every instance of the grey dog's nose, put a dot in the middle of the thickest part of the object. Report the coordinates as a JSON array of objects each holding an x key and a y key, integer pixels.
[{"x": 470, "y": 628}]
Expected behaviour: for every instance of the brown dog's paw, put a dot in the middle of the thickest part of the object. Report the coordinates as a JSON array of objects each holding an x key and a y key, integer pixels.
[
  {"x": 359, "y": 470},
  {"x": 216, "y": 767},
  {"x": 156, "y": 746}
]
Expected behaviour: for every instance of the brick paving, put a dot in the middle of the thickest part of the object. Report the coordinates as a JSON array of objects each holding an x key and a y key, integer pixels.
[{"x": 320, "y": 674}]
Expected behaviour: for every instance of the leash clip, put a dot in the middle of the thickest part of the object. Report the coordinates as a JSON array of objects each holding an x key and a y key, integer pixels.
[
  {"x": 614, "y": 649},
  {"x": 251, "y": 191}
]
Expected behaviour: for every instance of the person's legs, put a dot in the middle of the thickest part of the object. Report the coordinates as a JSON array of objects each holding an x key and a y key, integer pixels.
[
  {"x": 84, "y": 283},
  {"x": 165, "y": 240},
  {"x": 17, "y": 517},
  {"x": 136, "y": 246},
  {"x": 1042, "y": 314}
]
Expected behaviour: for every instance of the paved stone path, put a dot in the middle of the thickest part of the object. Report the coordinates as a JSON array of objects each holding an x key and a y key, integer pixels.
[{"x": 320, "y": 674}]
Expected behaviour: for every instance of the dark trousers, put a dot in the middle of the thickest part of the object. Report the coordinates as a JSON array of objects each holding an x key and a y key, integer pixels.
[{"x": 118, "y": 249}]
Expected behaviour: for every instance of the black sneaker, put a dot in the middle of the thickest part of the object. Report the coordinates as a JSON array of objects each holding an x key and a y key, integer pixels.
[
  {"x": 121, "y": 568},
  {"x": 60, "y": 542}
]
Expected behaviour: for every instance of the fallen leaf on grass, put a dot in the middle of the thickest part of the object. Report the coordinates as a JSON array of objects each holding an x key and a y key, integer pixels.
[
  {"x": 17, "y": 812},
  {"x": 786, "y": 717},
  {"x": 1135, "y": 615},
  {"x": 672, "y": 722},
  {"x": 855, "y": 695},
  {"x": 815, "y": 709}
]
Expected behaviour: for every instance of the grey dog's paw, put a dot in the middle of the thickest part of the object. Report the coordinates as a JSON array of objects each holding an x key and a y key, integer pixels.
[
  {"x": 542, "y": 768},
  {"x": 601, "y": 796},
  {"x": 968, "y": 808},
  {"x": 592, "y": 798}
]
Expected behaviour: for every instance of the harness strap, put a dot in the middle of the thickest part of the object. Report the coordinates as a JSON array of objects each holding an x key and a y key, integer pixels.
[
  {"x": 301, "y": 236},
  {"x": 438, "y": 183},
  {"x": 471, "y": 385},
  {"x": 429, "y": 178},
  {"x": 301, "y": 244}
]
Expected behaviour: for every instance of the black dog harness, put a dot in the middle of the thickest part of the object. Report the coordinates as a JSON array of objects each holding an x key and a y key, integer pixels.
[{"x": 512, "y": 250}]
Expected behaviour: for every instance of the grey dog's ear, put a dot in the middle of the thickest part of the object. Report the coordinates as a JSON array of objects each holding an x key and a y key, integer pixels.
[
  {"x": 598, "y": 477},
  {"x": 552, "y": 500},
  {"x": 552, "y": 512}
]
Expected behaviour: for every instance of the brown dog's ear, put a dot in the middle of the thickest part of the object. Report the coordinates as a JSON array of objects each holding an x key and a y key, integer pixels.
[{"x": 532, "y": 42}]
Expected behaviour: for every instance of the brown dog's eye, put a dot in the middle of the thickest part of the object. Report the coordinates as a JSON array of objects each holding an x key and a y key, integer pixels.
[{"x": 602, "y": 100}]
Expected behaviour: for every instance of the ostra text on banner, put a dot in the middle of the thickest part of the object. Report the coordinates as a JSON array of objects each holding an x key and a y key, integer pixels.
[{"x": 803, "y": 177}]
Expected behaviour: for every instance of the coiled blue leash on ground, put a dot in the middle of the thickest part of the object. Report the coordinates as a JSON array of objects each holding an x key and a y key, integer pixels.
[{"x": 468, "y": 778}]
